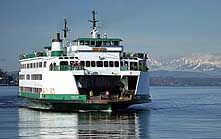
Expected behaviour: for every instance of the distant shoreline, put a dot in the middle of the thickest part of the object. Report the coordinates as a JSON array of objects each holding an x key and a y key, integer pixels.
[{"x": 8, "y": 84}]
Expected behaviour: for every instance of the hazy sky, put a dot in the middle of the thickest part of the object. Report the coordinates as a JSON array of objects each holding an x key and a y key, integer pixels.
[{"x": 164, "y": 28}]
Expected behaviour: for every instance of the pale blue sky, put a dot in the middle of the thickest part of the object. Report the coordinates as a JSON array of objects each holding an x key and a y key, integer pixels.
[{"x": 164, "y": 28}]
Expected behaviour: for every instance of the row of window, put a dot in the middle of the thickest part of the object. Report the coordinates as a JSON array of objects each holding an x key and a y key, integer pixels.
[
  {"x": 99, "y": 43},
  {"x": 100, "y": 63},
  {"x": 66, "y": 57},
  {"x": 30, "y": 77},
  {"x": 33, "y": 65},
  {"x": 92, "y": 63},
  {"x": 30, "y": 90}
]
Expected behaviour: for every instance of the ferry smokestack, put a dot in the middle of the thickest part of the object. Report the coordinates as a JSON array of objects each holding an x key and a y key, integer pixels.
[
  {"x": 56, "y": 47},
  {"x": 58, "y": 37}
]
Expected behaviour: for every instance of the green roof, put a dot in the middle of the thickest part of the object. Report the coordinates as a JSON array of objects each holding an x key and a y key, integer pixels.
[{"x": 98, "y": 39}]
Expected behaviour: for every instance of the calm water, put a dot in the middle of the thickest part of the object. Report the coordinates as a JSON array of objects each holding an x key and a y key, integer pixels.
[{"x": 175, "y": 113}]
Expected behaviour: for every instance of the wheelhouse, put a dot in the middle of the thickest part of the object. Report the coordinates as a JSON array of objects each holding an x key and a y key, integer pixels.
[{"x": 97, "y": 42}]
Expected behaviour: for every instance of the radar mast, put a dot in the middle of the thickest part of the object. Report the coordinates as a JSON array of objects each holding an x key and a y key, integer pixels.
[
  {"x": 94, "y": 32},
  {"x": 65, "y": 30}
]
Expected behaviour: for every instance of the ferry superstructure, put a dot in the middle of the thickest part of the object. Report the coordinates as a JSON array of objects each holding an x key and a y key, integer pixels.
[{"x": 92, "y": 73}]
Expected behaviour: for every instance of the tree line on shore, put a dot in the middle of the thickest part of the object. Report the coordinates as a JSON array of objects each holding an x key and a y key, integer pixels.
[
  {"x": 11, "y": 78},
  {"x": 7, "y": 79}
]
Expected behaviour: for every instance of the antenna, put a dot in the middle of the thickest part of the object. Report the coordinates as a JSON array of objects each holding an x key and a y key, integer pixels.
[
  {"x": 65, "y": 28},
  {"x": 94, "y": 21}
]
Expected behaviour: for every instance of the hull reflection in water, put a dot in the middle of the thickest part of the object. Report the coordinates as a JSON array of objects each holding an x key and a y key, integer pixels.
[{"x": 82, "y": 125}]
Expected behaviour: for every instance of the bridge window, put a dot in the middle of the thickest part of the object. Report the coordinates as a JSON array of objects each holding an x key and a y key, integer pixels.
[
  {"x": 141, "y": 55},
  {"x": 81, "y": 42},
  {"x": 98, "y": 43},
  {"x": 133, "y": 66},
  {"x": 116, "y": 43},
  {"x": 87, "y": 42},
  {"x": 92, "y": 42},
  {"x": 104, "y": 42}
]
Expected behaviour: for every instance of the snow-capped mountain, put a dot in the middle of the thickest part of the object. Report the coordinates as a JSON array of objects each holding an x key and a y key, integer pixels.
[{"x": 209, "y": 63}]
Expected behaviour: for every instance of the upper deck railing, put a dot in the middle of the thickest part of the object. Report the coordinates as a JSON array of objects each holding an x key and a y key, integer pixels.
[
  {"x": 32, "y": 55},
  {"x": 71, "y": 68}
]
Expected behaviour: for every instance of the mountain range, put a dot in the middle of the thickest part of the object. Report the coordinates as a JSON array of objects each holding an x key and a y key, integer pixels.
[{"x": 194, "y": 65}]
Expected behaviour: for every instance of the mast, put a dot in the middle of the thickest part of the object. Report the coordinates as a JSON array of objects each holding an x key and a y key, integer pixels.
[
  {"x": 65, "y": 30},
  {"x": 94, "y": 32},
  {"x": 94, "y": 21}
]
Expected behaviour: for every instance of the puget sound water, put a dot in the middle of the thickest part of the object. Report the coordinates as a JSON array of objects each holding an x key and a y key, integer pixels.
[{"x": 175, "y": 113}]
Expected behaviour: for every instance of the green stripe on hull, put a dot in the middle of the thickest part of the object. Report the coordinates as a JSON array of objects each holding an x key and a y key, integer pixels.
[
  {"x": 54, "y": 96},
  {"x": 29, "y": 95},
  {"x": 64, "y": 97}
]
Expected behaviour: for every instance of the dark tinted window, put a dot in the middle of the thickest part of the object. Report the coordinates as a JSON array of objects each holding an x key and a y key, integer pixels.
[
  {"x": 27, "y": 77},
  {"x": 72, "y": 63},
  {"x": 116, "y": 63},
  {"x": 98, "y": 43},
  {"x": 121, "y": 63},
  {"x": 88, "y": 64},
  {"x": 92, "y": 63},
  {"x": 111, "y": 63},
  {"x": 40, "y": 64},
  {"x": 86, "y": 42},
  {"x": 82, "y": 63},
  {"x": 99, "y": 63},
  {"x": 81, "y": 42},
  {"x": 64, "y": 63},
  {"x": 126, "y": 63},
  {"x": 104, "y": 42},
  {"x": 105, "y": 63},
  {"x": 92, "y": 42},
  {"x": 45, "y": 64},
  {"x": 116, "y": 42}
]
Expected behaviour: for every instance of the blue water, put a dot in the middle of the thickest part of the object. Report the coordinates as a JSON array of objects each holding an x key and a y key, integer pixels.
[{"x": 175, "y": 113}]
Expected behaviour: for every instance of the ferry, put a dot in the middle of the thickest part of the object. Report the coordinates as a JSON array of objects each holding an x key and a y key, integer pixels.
[{"x": 89, "y": 73}]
